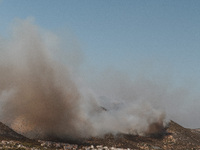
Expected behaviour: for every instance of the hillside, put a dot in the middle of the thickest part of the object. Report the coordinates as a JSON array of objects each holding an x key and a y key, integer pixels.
[
  {"x": 8, "y": 133},
  {"x": 173, "y": 137}
]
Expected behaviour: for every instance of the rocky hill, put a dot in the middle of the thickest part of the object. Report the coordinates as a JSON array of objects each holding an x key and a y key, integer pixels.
[
  {"x": 173, "y": 137},
  {"x": 9, "y": 134}
]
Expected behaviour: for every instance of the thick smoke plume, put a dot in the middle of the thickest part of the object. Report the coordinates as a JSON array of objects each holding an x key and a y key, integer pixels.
[{"x": 40, "y": 98}]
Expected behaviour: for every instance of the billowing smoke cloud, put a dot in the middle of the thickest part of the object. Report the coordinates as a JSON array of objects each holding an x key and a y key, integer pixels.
[{"x": 40, "y": 97}]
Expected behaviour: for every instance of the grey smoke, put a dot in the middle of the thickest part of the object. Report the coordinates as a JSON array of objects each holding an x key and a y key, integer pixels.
[{"x": 40, "y": 97}]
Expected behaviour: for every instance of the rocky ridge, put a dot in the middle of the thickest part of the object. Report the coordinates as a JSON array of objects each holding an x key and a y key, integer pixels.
[{"x": 173, "y": 137}]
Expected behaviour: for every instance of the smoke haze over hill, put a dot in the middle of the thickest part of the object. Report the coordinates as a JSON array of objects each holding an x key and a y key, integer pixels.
[{"x": 40, "y": 97}]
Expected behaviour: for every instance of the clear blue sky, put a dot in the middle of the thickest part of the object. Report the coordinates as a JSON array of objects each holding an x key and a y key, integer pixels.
[{"x": 159, "y": 36}]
